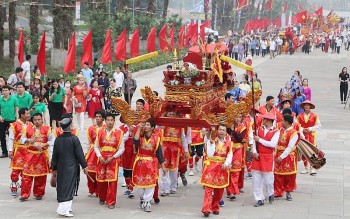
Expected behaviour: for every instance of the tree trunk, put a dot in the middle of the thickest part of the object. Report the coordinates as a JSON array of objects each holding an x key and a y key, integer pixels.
[
  {"x": 152, "y": 7},
  {"x": 165, "y": 8},
  {"x": 62, "y": 23},
  {"x": 2, "y": 32},
  {"x": 33, "y": 23},
  {"x": 213, "y": 13},
  {"x": 12, "y": 29}
]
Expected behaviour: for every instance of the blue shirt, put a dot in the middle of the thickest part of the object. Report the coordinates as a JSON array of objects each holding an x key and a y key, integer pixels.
[{"x": 87, "y": 73}]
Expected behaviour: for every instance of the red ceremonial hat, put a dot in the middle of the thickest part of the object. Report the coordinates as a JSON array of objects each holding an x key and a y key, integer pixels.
[
  {"x": 312, "y": 106},
  {"x": 269, "y": 116}
]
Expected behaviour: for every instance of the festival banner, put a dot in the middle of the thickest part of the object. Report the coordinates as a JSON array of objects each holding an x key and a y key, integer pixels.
[
  {"x": 41, "y": 58},
  {"x": 69, "y": 64}
]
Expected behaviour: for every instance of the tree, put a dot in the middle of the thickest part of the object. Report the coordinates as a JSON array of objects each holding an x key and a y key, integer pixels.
[
  {"x": 33, "y": 23},
  {"x": 2, "y": 32},
  {"x": 99, "y": 23},
  {"x": 12, "y": 29},
  {"x": 165, "y": 8},
  {"x": 62, "y": 22},
  {"x": 121, "y": 5}
]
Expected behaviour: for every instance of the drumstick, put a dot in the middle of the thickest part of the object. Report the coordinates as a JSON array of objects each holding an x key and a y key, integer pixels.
[{"x": 90, "y": 177}]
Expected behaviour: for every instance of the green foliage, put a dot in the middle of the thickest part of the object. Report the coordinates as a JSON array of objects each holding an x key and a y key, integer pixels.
[
  {"x": 98, "y": 23},
  {"x": 121, "y": 21},
  {"x": 145, "y": 23}
]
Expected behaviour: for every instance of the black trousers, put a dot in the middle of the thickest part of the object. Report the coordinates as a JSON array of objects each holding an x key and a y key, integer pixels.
[
  {"x": 126, "y": 98},
  {"x": 4, "y": 126},
  {"x": 343, "y": 92},
  {"x": 338, "y": 49},
  {"x": 197, "y": 150}
]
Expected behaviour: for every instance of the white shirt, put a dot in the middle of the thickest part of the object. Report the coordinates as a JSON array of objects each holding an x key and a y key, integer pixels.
[
  {"x": 119, "y": 78},
  {"x": 270, "y": 144},
  {"x": 291, "y": 144},
  {"x": 263, "y": 44},
  {"x": 339, "y": 42},
  {"x": 211, "y": 150},
  {"x": 26, "y": 70},
  {"x": 121, "y": 148},
  {"x": 272, "y": 45}
]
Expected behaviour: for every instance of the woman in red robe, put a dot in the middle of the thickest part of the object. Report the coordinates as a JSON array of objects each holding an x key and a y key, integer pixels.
[{"x": 95, "y": 100}]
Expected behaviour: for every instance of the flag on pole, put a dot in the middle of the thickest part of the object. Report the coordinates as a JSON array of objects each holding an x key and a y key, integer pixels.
[
  {"x": 319, "y": 12},
  {"x": 242, "y": 4},
  {"x": 300, "y": 17},
  {"x": 180, "y": 40},
  {"x": 268, "y": 5},
  {"x": 21, "y": 48},
  {"x": 172, "y": 36},
  {"x": 135, "y": 43},
  {"x": 162, "y": 38},
  {"x": 300, "y": 7},
  {"x": 107, "y": 49},
  {"x": 41, "y": 59},
  {"x": 120, "y": 48},
  {"x": 87, "y": 49},
  {"x": 151, "y": 40},
  {"x": 69, "y": 65}
]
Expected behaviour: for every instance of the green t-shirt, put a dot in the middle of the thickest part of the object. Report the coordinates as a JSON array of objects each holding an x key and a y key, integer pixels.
[
  {"x": 58, "y": 97},
  {"x": 39, "y": 108},
  {"x": 24, "y": 101},
  {"x": 7, "y": 108}
]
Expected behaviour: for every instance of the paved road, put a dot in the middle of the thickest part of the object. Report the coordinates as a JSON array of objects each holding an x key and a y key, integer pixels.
[{"x": 326, "y": 195}]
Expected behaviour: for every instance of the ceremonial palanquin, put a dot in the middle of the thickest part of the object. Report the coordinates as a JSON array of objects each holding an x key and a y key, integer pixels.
[{"x": 195, "y": 93}]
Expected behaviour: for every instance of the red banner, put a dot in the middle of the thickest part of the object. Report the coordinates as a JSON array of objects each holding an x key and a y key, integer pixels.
[
  {"x": 300, "y": 17},
  {"x": 192, "y": 35},
  {"x": 21, "y": 48},
  {"x": 151, "y": 40},
  {"x": 172, "y": 36},
  {"x": 120, "y": 48},
  {"x": 69, "y": 65},
  {"x": 135, "y": 43},
  {"x": 162, "y": 38},
  {"x": 241, "y": 4},
  {"x": 180, "y": 40},
  {"x": 87, "y": 49},
  {"x": 319, "y": 12},
  {"x": 41, "y": 59},
  {"x": 107, "y": 49},
  {"x": 268, "y": 5}
]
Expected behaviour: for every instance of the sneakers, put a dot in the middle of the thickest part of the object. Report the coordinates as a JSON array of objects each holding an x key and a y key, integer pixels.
[
  {"x": 111, "y": 206},
  {"x": 221, "y": 203},
  {"x": 14, "y": 192},
  {"x": 191, "y": 173},
  {"x": 305, "y": 171},
  {"x": 14, "y": 186},
  {"x": 289, "y": 196},
  {"x": 172, "y": 192},
  {"x": 22, "y": 199},
  {"x": 38, "y": 198},
  {"x": 147, "y": 207},
  {"x": 141, "y": 203},
  {"x": 130, "y": 195},
  {"x": 66, "y": 215},
  {"x": 101, "y": 202},
  {"x": 183, "y": 179},
  {"x": 259, "y": 203},
  {"x": 127, "y": 192},
  {"x": 312, "y": 172},
  {"x": 232, "y": 197},
  {"x": 271, "y": 199},
  {"x": 196, "y": 167},
  {"x": 163, "y": 194}
]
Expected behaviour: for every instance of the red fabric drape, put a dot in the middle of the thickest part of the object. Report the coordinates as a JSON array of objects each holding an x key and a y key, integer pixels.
[
  {"x": 120, "y": 48},
  {"x": 172, "y": 36},
  {"x": 180, "y": 40},
  {"x": 41, "y": 59},
  {"x": 87, "y": 49},
  {"x": 135, "y": 43},
  {"x": 107, "y": 49},
  {"x": 69, "y": 65},
  {"x": 151, "y": 40},
  {"x": 162, "y": 38}
]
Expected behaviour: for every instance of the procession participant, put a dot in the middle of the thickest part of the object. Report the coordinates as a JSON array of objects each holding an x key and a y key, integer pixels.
[
  {"x": 285, "y": 158},
  {"x": 109, "y": 147},
  {"x": 196, "y": 137},
  {"x": 59, "y": 130},
  {"x": 23, "y": 97},
  {"x": 183, "y": 160},
  {"x": 174, "y": 141},
  {"x": 36, "y": 166},
  {"x": 239, "y": 134},
  {"x": 90, "y": 157},
  {"x": 149, "y": 156},
  {"x": 128, "y": 157},
  {"x": 265, "y": 141},
  {"x": 309, "y": 123},
  {"x": 17, "y": 151},
  {"x": 286, "y": 103},
  {"x": 67, "y": 156},
  {"x": 270, "y": 107},
  {"x": 215, "y": 176},
  {"x": 8, "y": 114}
]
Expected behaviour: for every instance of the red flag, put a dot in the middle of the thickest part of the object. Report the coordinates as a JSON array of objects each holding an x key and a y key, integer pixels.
[
  {"x": 87, "y": 49},
  {"x": 202, "y": 32},
  {"x": 151, "y": 40},
  {"x": 120, "y": 48},
  {"x": 107, "y": 49},
  {"x": 300, "y": 7},
  {"x": 284, "y": 7},
  {"x": 69, "y": 65},
  {"x": 135, "y": 43},
  {"x": 162, "y": 36},
  {"x": 172, "y": 36},
  {"x": 180, "y": 40},
  {"x": 21, "y": 48},
  {"x": 268, "y": 5},
  {"x": 242, "y": 3},
  {"x": 192, "y": 35},
  {"x": 319, "y": 12},
  {"x": 41, "y": 59},
  {"x": 300, "y": 17}
]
